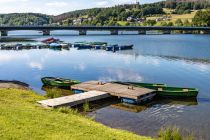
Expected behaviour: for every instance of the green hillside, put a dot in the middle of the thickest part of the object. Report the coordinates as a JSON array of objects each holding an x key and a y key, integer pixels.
[
  {"x": 24, "y": 19},
  {"x": 165, "y": 13}
]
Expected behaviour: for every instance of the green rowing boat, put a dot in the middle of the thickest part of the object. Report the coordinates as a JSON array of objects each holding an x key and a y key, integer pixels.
[
  {"x": 177, "y": 92},
  {"x": 166, "y": 91},
  {"x": 145, "y": 85},
  {"x": 58, "y": 82},
  {"x": 148, "y": 85}
]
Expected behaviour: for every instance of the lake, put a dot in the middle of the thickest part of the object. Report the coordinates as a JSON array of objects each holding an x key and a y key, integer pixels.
[{"x": 177, "y": 60}]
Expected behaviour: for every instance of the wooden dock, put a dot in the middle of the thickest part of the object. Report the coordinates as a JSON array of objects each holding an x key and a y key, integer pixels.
[
  {"x": 95, "y": 90},
  {"x": 122, "y": 91},
  {"x": 74, "y": 100}
]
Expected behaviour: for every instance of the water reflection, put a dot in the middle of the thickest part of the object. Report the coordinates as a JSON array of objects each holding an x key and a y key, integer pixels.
[
  {"x": 63, "y": 92},
  {"x": 156, "y": 103},
  {"x": 177, "y": 60},
  {"x": 113, "y": 74},
  {"x": 129, "y": 107}
]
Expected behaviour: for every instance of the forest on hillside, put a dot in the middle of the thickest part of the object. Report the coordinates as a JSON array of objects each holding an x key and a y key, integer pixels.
[
  {"x": 126, "y": 15},
  {"x": 24, "y": 19}
]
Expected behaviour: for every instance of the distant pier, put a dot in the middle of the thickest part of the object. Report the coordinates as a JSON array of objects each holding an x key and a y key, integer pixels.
[{"x": 114, "y": 30}]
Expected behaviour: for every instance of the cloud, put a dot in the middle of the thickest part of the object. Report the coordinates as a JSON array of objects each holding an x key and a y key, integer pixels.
[
  {"x": 6, "y": 56},
  {"x": 57, "y": 7},
  {"x": 102, "y": 3},
  {"x": 57, "y": 4},
  {"x": 36, "y": 65},
  {"x": 121, "y": 75},
  {"x": 9, "y": 1},
  {"x": 80, "y": 67}
]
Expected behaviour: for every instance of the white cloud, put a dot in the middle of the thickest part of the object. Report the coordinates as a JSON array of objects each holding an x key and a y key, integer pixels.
[
  {"x": 55, "y": 7},
  {"x": 102, "y": 3},
  {"x": 121, "y": 75},
  {"x": 9, "y": 1},
  {"x": 36, "y": 65},
  {"x": 6, "y": 56},
  {"x": 80, "y": 67},
  {"x": 57, "y": 4}
]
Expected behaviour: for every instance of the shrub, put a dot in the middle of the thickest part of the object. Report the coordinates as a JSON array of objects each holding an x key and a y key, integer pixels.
[
  {"x": 53, "y": 93},
  {"x": 86, "y": 107},
  {"x": 172, "y": 134},
  {"x": 67, "y": 110}
]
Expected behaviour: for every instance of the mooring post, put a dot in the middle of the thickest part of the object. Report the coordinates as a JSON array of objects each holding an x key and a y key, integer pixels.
[
  {"x": 205, "y": 32},
  {"x": 166, "y": 31},
  {"x": 142, "y": 32},
  {"x": 46, "y": 32},
  {"x": 82, "y": 32},
  {"x": 4, "y": 33},
  {"x": 187, "y": 32},
  {"x": 114, "y": 32}
]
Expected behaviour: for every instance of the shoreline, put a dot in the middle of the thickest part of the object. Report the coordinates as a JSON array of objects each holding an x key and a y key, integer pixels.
[
  {"x": 63, "y": 123},
  {"x": 6, "y": 84}
]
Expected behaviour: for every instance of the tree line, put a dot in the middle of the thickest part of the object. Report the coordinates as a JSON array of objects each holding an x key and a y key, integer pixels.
[
  {"x": 111, "y": 16},
  {"x": 24, "y": 19}
]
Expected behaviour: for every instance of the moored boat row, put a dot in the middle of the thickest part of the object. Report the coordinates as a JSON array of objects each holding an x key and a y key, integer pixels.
[
  {"x": 50, "y": 43},
  {"x": 101, "y": 45},
  {"x": 53, "y": 43}
]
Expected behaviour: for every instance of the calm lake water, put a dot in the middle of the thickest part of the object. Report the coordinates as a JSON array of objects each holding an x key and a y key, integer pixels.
[{"x": 177, "y": 60}]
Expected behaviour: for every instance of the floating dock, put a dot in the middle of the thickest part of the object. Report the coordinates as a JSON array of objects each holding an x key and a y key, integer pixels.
[
  {"x": 122, "y": 91},
  {"x": 95, "y": 90},
  {"x": 75, "y": 99}
]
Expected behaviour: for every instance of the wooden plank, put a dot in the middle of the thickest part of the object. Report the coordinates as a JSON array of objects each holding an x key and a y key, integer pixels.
[
  {"x": 75, "y": 99},
  {"x": 114, "y": 89}
]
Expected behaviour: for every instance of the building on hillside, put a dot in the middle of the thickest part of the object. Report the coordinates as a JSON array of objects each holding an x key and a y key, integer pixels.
[
  {"x": 137, "y": 6},
  {"x": 130, "y": 19}
]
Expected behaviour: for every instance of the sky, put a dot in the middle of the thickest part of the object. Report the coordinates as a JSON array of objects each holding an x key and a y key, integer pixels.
[{"x": 55, "y": 7}]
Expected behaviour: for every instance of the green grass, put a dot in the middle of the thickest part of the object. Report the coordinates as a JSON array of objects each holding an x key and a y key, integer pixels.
[
  {"x": 86, "y": 107},
  {"x": 172, "y": 134},
  {"x": 53, "y": 93},
  {"x": 122, "y": 23},
  {"x": 21, "y": 118},
  {"x": 174, "y": 17}
]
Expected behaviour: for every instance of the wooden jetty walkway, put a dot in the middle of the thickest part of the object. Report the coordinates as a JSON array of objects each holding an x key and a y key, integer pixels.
[
  {"x": 75, "y": 99},
  {"x": 95, "y": 90}
]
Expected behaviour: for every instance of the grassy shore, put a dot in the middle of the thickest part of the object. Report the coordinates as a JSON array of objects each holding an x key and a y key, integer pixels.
[{"x": 22, "y": 118}]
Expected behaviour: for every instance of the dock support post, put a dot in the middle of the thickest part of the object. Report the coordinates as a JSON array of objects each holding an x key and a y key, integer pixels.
[
  {"x": 82, "y": 32},
  {"x": 166, "y": 31},
  {"x": 187, "y": 32},
  {"x": 114, "y": 32},
  {"x": 4, "y": 33},
  {"x": 46, "y": 32},
  {"x": 205, "y": 32},
  {"x": 142, "y": 32}
]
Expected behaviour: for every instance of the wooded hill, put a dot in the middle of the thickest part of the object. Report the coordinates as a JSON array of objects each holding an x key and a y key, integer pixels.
[
  {"x": 128, "y": 14},
  {"x": 24, "y": 19}
]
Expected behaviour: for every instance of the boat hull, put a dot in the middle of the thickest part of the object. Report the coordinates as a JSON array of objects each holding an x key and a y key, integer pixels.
[
  {"x": 49, "y": 81},
  {"x": 166, "y": 91},
  {"x": 177, "y": 93}
]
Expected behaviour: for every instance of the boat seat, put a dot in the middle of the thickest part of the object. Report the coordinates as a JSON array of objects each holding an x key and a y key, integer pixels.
[
  {"x": 186, "y": 90},
  {"x": 160, "y": 89}
]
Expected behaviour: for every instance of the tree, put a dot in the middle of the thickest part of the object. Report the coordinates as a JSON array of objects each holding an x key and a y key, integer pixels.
[
  {"x": 170, "y": 24},
  {"x": 186, "y": 22},
  {"x": 151, "y": 22},
  {"x": 178, "y": 22},
  {"x": 202, "y": 18}
]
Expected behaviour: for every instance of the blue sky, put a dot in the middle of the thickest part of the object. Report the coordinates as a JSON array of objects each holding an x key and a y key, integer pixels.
[{"x": 55, "y": 7}]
